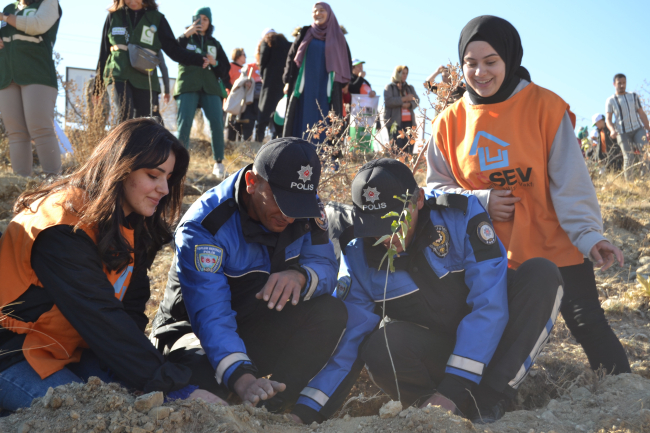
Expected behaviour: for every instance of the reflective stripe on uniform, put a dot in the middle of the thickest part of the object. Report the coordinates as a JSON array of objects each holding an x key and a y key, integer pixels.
[
  {"x": 27, "y": 38},
  {"x": 227, "y": 362},
  {"x": 314, "y": 282},
  {"x": 541, "y": 341},
  {"x": 315, "y": 394},
  {"x": 466, "y": 364}
]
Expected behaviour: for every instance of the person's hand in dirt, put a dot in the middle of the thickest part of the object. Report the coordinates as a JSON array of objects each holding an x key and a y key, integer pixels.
[
  {"x": 501, "y": 205},
  {"x": 252, "y": 390},
  {"x": 438, "y": 399},
  {"x": 281, "y": 287},
  {"x": 603, "y": 255},
  {"x": 207, "y": 397}
]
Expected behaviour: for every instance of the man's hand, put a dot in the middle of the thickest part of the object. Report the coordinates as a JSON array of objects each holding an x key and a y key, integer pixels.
[
  {"x": 613, "y": 134},
  {"x": 281, "y": 287},
  {"x": 2, "y": 44},
  {"x": 252, "y": 390},
  {"x": 285, "y": 90},
  {"x": 212, "y": 60},
  {"x": 603, "y": 255},
  {"x": 501, "y": 205},
  {"x": 194, "y": 28},
  {"x": 207, "y": 397},
  {"x": 206, "y": 62},
  {"x": 166, "y": 97},
  {"x": 372, "y": 94},
  {"x": 438, "y": 399}
]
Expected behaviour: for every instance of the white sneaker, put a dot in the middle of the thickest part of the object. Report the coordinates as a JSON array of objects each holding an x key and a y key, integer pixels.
[{"x": 219, "y": 170}]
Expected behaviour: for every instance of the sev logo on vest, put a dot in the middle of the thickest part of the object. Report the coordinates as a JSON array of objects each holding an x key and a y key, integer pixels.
[
  {"x": 147, "y": 35},
  {"x": 487, "y": 161},
  {"x": 207, "y": 258}
]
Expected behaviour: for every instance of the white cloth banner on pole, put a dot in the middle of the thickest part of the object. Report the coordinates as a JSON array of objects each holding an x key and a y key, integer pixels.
[{"x": 64, "y": 143}]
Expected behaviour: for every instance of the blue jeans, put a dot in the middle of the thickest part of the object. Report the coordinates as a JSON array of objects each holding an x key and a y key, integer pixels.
[{"x": 20, "y": 384}]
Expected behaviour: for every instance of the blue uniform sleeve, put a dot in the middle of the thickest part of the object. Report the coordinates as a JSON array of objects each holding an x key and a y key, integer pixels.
[
  {"x": 205, "y": 289},
  {"x": 326, "y": 391},
  {"x": 485, "y": 263},
  {"x": 320, "y": 263}
]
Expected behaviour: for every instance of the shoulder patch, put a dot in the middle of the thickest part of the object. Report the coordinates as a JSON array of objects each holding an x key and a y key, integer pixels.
[
  {"x": 322, "y": 222},
  {"x": 486, "y": 233},
  {"x": 207, "y": 258},
  {"x": 440, "y": 246},
  {"x": 343, "y": 287}
]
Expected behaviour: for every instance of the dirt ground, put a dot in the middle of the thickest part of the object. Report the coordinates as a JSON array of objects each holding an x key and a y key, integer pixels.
[{"x": 561, "y": 393}]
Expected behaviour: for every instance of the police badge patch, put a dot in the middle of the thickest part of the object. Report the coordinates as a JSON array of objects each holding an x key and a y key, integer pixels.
[
  {"x": 322, "y": 222},
  {"x": 440, "y": 246},
  {"x": 343, "y": 287},
  {"x": 207, "y": 258},
  {"x": 486, "y": 233}
]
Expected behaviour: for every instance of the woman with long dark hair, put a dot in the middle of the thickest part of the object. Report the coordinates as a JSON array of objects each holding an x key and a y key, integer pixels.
[
  {"x": 137, "y": 23},
  {"x": 271, "y": 56},
  {"x": 205, "y": 88},
  {"x": 74, "y": 263},
  {"x": 28, "y": 84},
  {"x": 511, "y": 143},
  {"x": 317, "y": 67}
]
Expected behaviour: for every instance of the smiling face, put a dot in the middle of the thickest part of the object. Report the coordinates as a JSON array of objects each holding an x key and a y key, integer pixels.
[
  {"x": 144, "y": 188},
  {"x": 134, "y": 5},
  {"x": 261, "y": 204},
  {"x": 483, "y": 68},
  {"x": 319, "y": 14}
]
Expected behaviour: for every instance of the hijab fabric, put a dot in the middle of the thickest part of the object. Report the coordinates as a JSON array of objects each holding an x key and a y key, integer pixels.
[
  {"x": 336, "y": 49},
  {"x": 504, "y": 38}
]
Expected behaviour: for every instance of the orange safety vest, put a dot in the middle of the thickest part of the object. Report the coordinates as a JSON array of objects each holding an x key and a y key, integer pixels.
[
  {"x": 507, "y": 146},
  {"x": 51, "y": 341}
]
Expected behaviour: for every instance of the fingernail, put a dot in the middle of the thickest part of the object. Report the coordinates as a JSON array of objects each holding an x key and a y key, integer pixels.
[
  {"x": 266, "y": 298},
  {"x": 271, "y": 304},
  {"x": 279, "y": 308},
  {"x": 294, "y": 302}
]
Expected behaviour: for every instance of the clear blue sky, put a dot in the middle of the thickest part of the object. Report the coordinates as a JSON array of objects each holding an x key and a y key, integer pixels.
[{"x": 572, "y": 47}]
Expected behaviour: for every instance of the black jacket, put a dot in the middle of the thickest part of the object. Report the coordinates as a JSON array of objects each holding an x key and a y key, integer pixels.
[
  {"x": 272, "y": 61},
  {"x": 222, "y": 70},
  {"x": 70, "y": 269},
  {"x": 291, "y": 74}
]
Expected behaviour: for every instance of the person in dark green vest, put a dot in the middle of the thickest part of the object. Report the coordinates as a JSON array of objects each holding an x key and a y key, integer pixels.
[
  {"x": 205, "y": 88},
  {"x": 138, "y": 22},
  {"x": 28, "y": 84}
]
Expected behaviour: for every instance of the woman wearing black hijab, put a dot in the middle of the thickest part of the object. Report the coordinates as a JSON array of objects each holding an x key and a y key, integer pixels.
[{"x": 511, "y": 143}]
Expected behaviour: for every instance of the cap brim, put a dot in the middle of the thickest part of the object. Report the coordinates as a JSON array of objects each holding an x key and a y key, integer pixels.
[
  {"x": 371, "y": 225},
  {"x": 295, "y": 204}
]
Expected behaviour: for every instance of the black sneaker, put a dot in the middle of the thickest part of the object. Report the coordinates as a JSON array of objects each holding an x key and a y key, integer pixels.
[{"x": 488, "y": 415}]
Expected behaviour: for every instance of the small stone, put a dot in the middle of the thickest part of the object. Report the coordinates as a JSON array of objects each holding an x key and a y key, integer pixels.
[
  {"x": 94, "y": 380},
  {"x": 644, "y": 260},
  {"x": 553, "y": 405},
  {"x": 581, "y": 427},
  {"x": 531, "y": 431},
  {"x": 47, "y": 398},
  {"x": 146, "y": 402},
  {"x": 410, "y": 424},
  {"x": 148, "y": 427},
  {"x": 419, "y": 428},
  {"x": 160, "y": 412},
  {"x": 24, "y": 427},
  {"x": 138, "y": 430},
  {"x": 580, "y": 393},
  {"x": 641, "y": 337},
  {"x": 390, "y": 409},
  {"x": 347, "y": 417},
  {"x": 549, "y": 417},
  {"x": 403, "y": 414},
  {"x": 176, "y": 417},
  {"x": 74, "y": 415},
  {"x": 644, "y": 270},
  {"x": 314, "y": 425},
  {"x": 69, "y": 401}
]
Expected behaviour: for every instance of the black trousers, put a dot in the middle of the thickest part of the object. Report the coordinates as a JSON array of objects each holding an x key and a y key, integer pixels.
[
  {"x": 586, "y": 320},
  {"x": 420, "y": 354},
  {"x": 129, "y": 102},
  {"x": 403, "y": 143},
  {"x": 291, "y": 345}
]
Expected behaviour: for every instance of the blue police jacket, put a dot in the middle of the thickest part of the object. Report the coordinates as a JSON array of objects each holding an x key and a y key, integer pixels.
[
  {"x": 452, "y": 278},
  {"x": 222, "y": 260}
]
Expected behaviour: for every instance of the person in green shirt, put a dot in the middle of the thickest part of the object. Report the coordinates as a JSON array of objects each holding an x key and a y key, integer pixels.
[{"x": 205, "y": 88}]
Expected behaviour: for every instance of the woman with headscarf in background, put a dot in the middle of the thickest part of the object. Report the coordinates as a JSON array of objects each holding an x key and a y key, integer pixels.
[
  {"x": 317, "y": 67},
  {"x": 400, "y": 102},
  {"x": 512, "y": 144},
  {"x": 272, "y": 55},
  {"x": 205, "y": 88}
]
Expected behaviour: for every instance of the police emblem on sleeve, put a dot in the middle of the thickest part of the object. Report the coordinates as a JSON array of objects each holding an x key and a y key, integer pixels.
[
  {"x": 440, "y": 246},
  {"x": 343, "y": 287},
  {"x": 322, "y": 222},
  {"x": 486, "y": 233},
  {"x": 207, "y": 258}
]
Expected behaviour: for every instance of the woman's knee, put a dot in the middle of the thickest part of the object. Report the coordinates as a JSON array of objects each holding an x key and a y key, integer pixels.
[{"x": 540, "y": 271}]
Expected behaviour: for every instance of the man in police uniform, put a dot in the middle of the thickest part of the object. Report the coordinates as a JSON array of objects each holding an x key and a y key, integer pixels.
[
  {"x": 457, "y": 320},
  {"x": 252, "y": 261}
]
